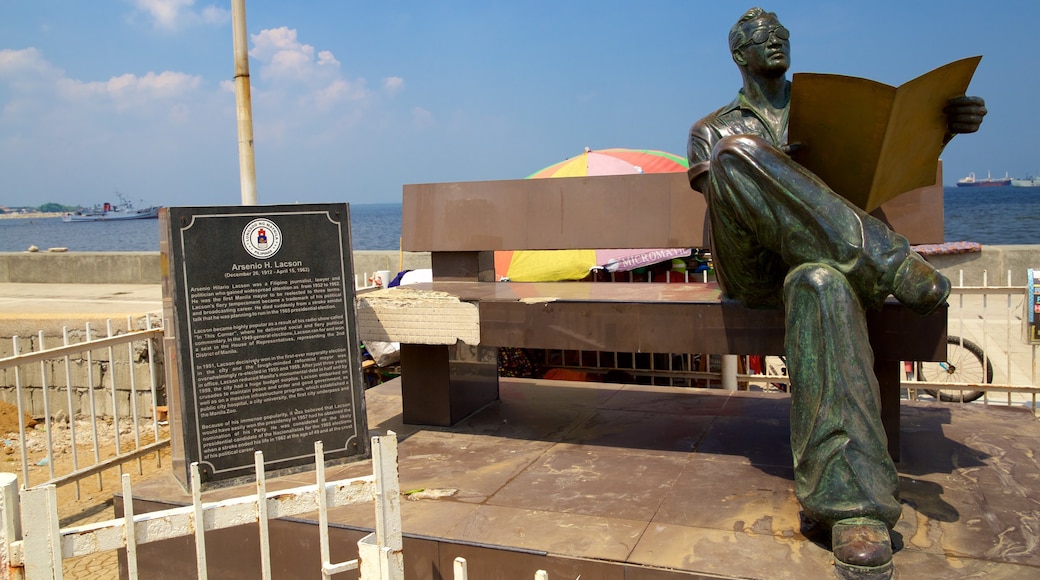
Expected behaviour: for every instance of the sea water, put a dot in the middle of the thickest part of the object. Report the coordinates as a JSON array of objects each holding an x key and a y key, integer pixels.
[
  {"x": 374, "y": 226},
  {"x": 992, "y": 215},
  {"x": 987, "y": 215}
]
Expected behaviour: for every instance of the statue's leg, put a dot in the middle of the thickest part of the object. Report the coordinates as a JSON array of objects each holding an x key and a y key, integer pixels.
[
  {"x": 844, "y": 476},
  {"x": 842, "y": 466},
  {"x": 760, "y": 198}
]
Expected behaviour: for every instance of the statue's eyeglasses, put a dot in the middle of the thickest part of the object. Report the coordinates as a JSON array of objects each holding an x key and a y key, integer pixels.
[{"x": 761, "y": 35}]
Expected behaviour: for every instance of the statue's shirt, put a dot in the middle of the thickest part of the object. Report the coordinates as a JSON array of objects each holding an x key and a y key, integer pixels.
[{"x": 740, "y": 117}]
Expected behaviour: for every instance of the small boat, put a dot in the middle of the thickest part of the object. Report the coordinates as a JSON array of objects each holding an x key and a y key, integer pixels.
[
  {"x": 1027, "y": 182},
  {"x": 970, "y": 181},
  {"x": 111, "y": 212}
]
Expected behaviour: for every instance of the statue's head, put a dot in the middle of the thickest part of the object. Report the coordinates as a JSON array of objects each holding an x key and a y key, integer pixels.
[{"x": 760, "y": 44}]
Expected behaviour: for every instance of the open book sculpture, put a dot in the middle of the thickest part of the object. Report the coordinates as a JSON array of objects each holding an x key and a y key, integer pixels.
[{"x": 869, "y": 141}]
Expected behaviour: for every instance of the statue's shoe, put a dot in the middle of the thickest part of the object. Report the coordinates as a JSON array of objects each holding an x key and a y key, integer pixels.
[
  {"x": 862, "y": 548},
  {"x": 919, "y": 286}
]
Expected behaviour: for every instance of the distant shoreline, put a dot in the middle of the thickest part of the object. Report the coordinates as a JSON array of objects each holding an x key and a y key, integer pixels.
[{"x": 31, "y": 215}]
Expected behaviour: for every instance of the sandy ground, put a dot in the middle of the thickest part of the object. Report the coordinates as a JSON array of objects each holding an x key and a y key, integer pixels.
[
  {"x": 90, "y": 499},
  {"x": 34, "y": 214}
]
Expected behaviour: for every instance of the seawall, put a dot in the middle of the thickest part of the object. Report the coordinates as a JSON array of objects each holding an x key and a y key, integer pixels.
[
  {"x": 145, "y": 267},
  {"x": 993, "y": 262}
]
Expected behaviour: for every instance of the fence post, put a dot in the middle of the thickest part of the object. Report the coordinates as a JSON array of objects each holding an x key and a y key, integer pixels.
[
  {"x": 388, "y": 491},
  {"x": 130, "y": 529},
  {"x": 380, "y": 553},
  {"x": 198, "y": 521},
  {"x": 41, "y": 533},
  {"x": 10, "y": 525},
  {"x": 729, "y": 372},
  {"x": 460, "y": 570}
]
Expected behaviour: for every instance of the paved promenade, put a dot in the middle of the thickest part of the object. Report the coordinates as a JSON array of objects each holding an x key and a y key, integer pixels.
[
  {"x": 26, "y": 308},
  {"x": 599, "y": 480},
  {"x": 73, "y": 304}
]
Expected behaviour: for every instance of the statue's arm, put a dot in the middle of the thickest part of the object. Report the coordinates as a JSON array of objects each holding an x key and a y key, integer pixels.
[{"x": 698, "y": 153}]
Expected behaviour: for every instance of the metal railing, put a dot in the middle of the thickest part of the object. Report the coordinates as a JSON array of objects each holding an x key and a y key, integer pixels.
[
  {"x": 370, "y": 281},
  {"x": 103, "y": 392},
  {"x": 460, "y": 571},
  {"x": 990, "y": 316},
  {"x": 97, "y": 401},
  {"x": 33, "y": 545}
]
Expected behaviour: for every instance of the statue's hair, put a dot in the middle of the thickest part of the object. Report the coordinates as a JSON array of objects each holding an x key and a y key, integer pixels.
[{"x": 736, "y": 34}]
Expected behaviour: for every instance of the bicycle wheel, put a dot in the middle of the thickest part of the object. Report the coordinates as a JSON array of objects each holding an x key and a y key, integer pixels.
[
  {"x": 777, "y": 366},
  {"x": 965, "y": 363}
]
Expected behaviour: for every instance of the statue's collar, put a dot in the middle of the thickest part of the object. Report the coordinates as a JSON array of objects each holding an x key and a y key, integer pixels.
[{"x": 743, "y": 103}]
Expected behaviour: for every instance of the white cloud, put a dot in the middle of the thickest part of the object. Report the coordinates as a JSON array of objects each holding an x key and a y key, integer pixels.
[
  {"x": 180, "y": 114},
  {"x": 29, "y": 77},
  {"x": 325, "y": 58},
  {"x": 295, "y": 76},
  {"x": 393, "y": 85},
  {"x": 37, "y": 86},
  {"x": 422, "y": 118},
  {"x": 215, "y": 15},
  {"x": 302, "y": 101},
  {"x": 25, "y": 67},
  {"x": 338, "y": 91},
  {"x": 130, "y": 90},
  {"x": 284, "y": 58},
  {"x": 13, "y": 61},
  {"x": 174, "y": 14}
]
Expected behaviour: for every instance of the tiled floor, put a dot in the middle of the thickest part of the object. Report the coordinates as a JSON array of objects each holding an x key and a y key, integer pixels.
[{"x": 613, "y": 481}]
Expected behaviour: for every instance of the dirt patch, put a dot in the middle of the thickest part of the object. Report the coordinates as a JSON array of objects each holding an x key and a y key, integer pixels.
[
  {"x": 9, "y": 418},
  {"x": 89, "y": 499}
]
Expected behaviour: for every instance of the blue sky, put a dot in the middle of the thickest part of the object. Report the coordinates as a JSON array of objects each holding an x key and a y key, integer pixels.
[{"x": 353, "y": 99}]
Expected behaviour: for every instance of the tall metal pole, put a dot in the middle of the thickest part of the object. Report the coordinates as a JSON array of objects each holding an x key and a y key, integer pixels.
[{"x": 243, "y": 102}]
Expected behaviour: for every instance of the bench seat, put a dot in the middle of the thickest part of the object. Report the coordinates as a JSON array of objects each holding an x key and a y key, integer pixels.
[
  {"x": 616, "y": 316},
  {"x": 444, "y": 325}
]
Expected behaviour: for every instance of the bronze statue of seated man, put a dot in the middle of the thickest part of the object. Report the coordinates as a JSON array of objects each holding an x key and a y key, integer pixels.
[{"x": 781, "y": 238}]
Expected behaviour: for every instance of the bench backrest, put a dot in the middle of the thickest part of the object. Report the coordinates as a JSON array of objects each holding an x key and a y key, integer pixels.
[{"x": 602, "y": 212}]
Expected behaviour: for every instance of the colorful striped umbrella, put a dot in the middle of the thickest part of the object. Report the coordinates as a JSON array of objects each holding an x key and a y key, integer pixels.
[
  {"x": 614, "y": 162},
  {"x": 555, "y": 265}
]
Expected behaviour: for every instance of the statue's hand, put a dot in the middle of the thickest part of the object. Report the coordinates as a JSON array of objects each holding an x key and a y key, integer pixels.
[
  {"x": 792, "y": 148},
  {"x": 964, "y": 114}
]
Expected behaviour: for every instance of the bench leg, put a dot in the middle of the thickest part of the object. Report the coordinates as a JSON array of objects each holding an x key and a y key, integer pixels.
[
  {"x": 888, "y": 373},
  {"x": 441, "y": 385}
]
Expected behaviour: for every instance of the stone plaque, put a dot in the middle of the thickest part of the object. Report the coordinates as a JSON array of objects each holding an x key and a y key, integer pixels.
[{"x": 261, "y": 342}]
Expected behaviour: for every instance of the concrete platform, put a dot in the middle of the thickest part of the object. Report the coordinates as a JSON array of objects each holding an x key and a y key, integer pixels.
[
  {"x": 634, "y": 482},
  {"x": 26, "y": 309}
]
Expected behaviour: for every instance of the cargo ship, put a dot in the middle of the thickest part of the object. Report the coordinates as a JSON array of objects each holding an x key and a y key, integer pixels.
[
  {"x": 971, "y": 181},
  {"x": 1027, "y": 182}
]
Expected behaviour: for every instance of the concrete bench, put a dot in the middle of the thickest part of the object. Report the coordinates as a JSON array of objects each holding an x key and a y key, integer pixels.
[{"x": 450, "y": 329}]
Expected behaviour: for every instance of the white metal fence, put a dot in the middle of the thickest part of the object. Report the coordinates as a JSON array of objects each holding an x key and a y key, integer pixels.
[
  {"x": 460, "y": 571},
  {"x": 98, "y": 396},
  {"x": 990, "y": 317},
  {"x": 33, "y": 545},
  {"x": 97, "y": 401},
  {"x": 371, "y": 280},
  {"x": 989, "y": 355}
]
